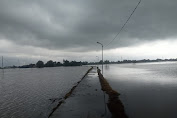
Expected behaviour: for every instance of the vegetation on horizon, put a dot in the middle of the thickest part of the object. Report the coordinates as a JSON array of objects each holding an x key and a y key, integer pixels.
[{"x": 50, "y": 63}]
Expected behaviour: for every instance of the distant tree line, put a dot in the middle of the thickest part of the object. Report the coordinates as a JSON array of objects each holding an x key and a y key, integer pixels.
[
  {"x": 50, "y": 63},
  {"x": 131, "y": 61}
]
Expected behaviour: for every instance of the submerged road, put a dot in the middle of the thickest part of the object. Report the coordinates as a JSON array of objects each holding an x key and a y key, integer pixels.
[{"x": 86, "y": 101}]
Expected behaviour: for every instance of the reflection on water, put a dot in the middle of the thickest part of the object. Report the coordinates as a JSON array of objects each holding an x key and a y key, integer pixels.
[
  {"x": 148, "y": 90},
  {"x": 106, "y": 67},
  {"x": 27, "y": 93},
  {"x": 2, "y": 74}
]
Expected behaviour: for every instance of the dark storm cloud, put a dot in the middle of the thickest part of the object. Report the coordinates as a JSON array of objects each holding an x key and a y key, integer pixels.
[{"x": 78, "y": 25}]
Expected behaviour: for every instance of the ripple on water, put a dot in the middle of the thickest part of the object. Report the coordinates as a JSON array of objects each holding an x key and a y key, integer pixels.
[{"x": 26, "y": 92}]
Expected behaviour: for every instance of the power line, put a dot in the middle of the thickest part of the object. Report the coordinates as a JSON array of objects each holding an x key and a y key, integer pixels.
[{"x": 124, "y": 24}]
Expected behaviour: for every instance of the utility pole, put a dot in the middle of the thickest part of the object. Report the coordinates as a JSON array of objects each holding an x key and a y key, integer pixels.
[
  {"x": 102, "y": 74},
  {"x": 102, "y": 59},
  {"x": 102, "y": 55}
]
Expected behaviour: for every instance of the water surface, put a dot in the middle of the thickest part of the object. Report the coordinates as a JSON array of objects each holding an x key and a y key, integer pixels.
[
  {"x": 26, "y": 93},
  {"x": 148, "y": 90}
]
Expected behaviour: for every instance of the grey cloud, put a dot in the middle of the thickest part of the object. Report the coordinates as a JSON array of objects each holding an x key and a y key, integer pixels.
[{"x": 78, "y": 25}]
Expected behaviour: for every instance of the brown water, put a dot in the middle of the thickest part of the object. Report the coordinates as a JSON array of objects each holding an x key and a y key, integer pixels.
[
  {"x": 148, "y": 90},
  {"x": 26, "y": 93}
]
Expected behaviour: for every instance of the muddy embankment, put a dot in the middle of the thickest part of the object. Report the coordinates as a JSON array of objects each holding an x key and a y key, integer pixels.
[
  {"x": 114, "y": 104},
  {"x": 68, "y": 94}
]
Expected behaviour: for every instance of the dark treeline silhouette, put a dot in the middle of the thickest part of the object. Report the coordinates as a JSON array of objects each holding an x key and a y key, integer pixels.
[
  {"x": 131, "y": 61},
  {"x": 50, "y": 63}
]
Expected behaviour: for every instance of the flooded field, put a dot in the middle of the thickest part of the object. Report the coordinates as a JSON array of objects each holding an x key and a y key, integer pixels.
[
  {"x": 32, "y": 93},
  {"x": 148, "y": 90}
]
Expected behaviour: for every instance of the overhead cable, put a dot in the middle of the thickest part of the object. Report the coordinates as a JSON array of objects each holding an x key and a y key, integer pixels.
[{"x": 124, "y": 24}]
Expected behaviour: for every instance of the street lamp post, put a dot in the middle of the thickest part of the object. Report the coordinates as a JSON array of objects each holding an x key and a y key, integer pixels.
[
  {"x": 102, "y": 74},
  {"x": 98, "y": 61},
  {"x": 102, "y": 55}
]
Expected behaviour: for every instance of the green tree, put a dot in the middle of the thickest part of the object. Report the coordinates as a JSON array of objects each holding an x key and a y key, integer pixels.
[
  {"x": 66, "y": 63},
  {"x": 58, "y": 64},
  {"x": 40, "y": 64},
  {"x": 106, "y": 62},
  {"x": 49, "y": 64}
]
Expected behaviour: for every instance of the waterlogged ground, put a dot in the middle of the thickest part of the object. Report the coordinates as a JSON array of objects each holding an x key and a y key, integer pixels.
[
  {"x": 86, "y": 101},
  {"x": 32, "y": 93},
  {"x": 148, "y": 90}
]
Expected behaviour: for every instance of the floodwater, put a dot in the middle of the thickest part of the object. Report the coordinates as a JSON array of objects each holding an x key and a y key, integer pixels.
[
  {"x": 148, "y": 90},
  {"x": 32, "y": 93}
]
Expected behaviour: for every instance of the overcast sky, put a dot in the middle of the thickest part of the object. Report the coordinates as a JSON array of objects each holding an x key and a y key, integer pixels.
[{"x": 32, "y": 30}]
